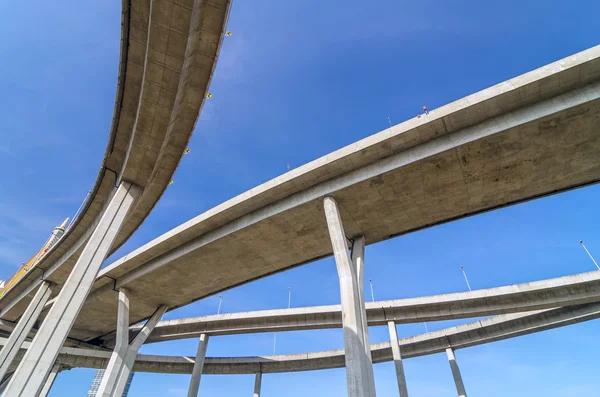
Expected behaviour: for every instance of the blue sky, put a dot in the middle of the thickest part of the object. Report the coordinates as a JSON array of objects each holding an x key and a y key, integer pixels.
[{"x": 294, "y": 82}]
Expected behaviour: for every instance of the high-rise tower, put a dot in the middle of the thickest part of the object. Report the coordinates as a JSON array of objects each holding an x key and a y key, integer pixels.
[{"x": 98, "y": 378}]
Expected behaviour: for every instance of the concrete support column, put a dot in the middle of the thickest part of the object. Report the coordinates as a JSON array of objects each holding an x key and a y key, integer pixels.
[
  {"x": 4, "y": 383},
  {"x": 24, "y": 326},
  {"x": 31, "y": 374},
  {"x": 121, "y": 362},
  {"x": 460, "y": 386},
  {"x": 50, "y": 380},
  {"x": 257, "y": 384},
  {"x": 358, "y": 262},
  {"x": 111, "y": 374},
  {"x": 358, "y": 364},
  {"x": 396, "y": 353},
  {"x": 198, "y": 365}
]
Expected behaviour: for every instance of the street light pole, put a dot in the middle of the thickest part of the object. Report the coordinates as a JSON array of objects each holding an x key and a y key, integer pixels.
[
  {"x": 590, "y": 255},
  {"x": 372, "y": 295},
  {"x": 289, "y": 297},
  {"x": 220, "y": 301},
  {"x": 466, "y": 279}
]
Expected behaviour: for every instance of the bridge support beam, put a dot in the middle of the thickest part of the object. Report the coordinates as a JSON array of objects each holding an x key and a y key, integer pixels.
[
  {"x": 24, "y": 326},
  {"x": 198, "y": 366},
  {"x": 123, "y": 357},
  {"x": 396, "y": 354},
  {"x": 460, "y": 386},
  {"x": 50, "y": 380},
  {"x": 33, "y": 370},
  {"x": 257, "y": 384},
  {"x": 359, "y": 368}
]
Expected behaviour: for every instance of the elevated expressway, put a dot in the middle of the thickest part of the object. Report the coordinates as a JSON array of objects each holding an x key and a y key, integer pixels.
[
  {"x": 169, "y": 50},
  {"x": 165, "y": 69},
  {"x": 528, "y": 137},
  {"x": 472, "y": 334},
  {"x": 520, "y": 309},
  {"x": 575, "y": 290}
]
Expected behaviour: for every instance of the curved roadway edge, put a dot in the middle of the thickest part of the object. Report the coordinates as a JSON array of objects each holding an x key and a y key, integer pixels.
[
  {"x": 551, "y": 293},
  {"x": 462, "y": 336},
  {"x": 169, "y": 51},
  {"x": 528, "y": 137}
]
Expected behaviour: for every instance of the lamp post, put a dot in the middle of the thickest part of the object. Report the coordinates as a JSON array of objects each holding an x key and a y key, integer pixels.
[
  {"x": 590, "y": 255},
  {"x": 220, "y": 301},
  {"x": 466, "y": 279}
]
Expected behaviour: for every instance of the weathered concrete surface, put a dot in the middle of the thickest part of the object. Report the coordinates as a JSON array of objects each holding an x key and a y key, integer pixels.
[
  {"x": 169, "y": 50},
  {"x": 531, "y": 136},
  {"x": 562, "y": 291},
  {"x": 472, "y": 334}
]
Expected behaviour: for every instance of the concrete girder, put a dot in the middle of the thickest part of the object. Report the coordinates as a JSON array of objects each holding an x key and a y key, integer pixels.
[{"x": 545, "y": 294}]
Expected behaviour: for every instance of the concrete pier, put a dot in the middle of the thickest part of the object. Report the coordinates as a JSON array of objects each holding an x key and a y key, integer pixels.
[
  {"x": 50, "y": 380},
  {"x": 198, "y": 365},
  {"x": 33, "y": 370},
  {"x": 358, "y": 364},
  {"x": 122, "y": 343},
  {"x": 397, "y": 356},
  {"x": 257, "y": 384},
  {"x": 460, "y": 386},
  {"x": 124, "y": 354},
  {"x": 24, "y": 326},
  {"x": 358, "y": 261}
]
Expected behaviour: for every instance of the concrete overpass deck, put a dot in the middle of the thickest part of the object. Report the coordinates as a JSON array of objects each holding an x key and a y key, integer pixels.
[
  {"x": 169, "y": 50},
  {"x": 462, "y": 336},
  {"x": 515, "y": 300},
  {"x": 528, "y": 137},
  {"x": 552, "y": 293}
]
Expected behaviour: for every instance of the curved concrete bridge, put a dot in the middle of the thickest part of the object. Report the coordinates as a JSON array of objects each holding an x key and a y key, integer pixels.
[
  {"x": 528, "y": 137},
  {"x": 169, "y": 50},
  {"x": 450, "y": 339},
  {"x": 559, "y": 292}
]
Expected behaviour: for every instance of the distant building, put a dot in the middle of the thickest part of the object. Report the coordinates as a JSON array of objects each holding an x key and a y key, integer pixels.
[{"x": 98, "y": 378}]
